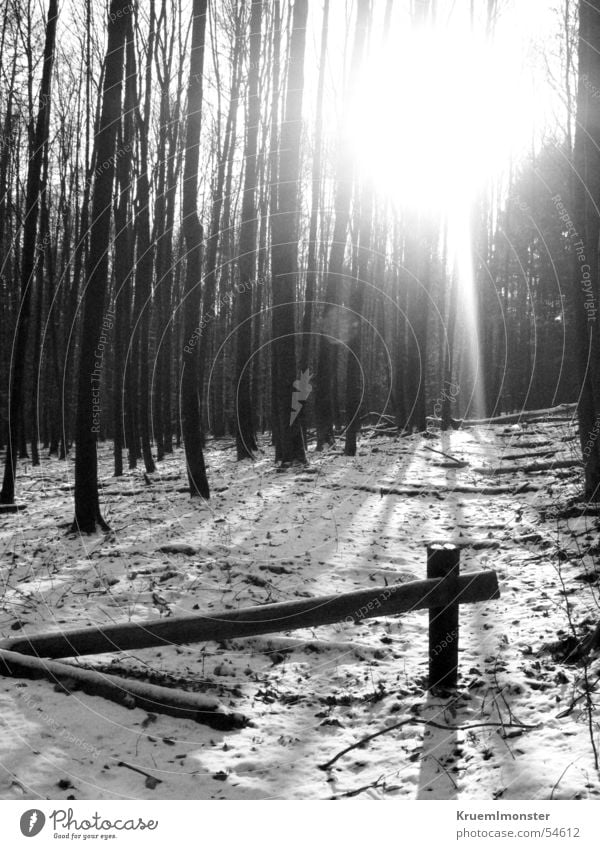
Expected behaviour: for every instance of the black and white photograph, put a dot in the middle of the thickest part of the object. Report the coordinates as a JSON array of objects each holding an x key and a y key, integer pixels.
[{"x": 300, "y": 415}]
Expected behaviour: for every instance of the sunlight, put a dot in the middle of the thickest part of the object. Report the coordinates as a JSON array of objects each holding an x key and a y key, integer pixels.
[
  {"x": 438, "y": 118},
  {"x": 461, "y": 244},
  {"x": 441, "y": 113}
]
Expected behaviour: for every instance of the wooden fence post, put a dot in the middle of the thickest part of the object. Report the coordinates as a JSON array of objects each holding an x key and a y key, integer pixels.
[{"x": 443, "y": 561}]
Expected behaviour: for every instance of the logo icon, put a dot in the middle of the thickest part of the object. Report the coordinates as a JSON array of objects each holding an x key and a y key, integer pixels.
[
  {"x": 302, "y": 389},
  {"x": 32, "y": 822}
]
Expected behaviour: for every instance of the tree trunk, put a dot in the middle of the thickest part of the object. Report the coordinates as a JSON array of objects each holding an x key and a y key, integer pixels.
[
  {"x": 209, "y": 309},
  {"x": 87, "y": 506},
  {"x": 16, "y": 390},
  {"x": 312, "y": 270},
  {"x": 586, "y": 288},
  {"x": 355, "y": 377},
  {"x": 145, "y": 261},
  {"x": 326, "y": 379},
  {"x": 290, "y": 389},
  {"x": 274, "y": 186},
  {"x": 123, "y": 261},
  {"x": 193, "y": 234},
  {"x": 245, "y": 437}
]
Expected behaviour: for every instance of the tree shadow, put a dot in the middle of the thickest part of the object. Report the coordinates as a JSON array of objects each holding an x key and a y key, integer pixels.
[{"x": 436, "y": 777}]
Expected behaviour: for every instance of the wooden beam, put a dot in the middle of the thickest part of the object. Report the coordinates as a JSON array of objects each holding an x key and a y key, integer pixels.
[
  {"x": 12, "y": 508},
  {"x": 443, "y": 561},
  {"x": 265, "y": 619}
]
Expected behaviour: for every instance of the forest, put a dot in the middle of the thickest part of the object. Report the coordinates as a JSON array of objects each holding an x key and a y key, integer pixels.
[{"x": 299, "y": 371}]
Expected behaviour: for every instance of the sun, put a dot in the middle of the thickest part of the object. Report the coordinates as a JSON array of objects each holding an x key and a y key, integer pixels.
[{"x": 439, "y": 113}]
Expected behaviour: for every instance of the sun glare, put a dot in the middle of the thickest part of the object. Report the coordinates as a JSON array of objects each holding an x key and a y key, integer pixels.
[
  {"x": 441, "y": 113},
  {"x": 439, "y": 116}
]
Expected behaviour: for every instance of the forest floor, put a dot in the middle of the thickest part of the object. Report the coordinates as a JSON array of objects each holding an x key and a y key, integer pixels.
[{"x": 334, "y": 526}]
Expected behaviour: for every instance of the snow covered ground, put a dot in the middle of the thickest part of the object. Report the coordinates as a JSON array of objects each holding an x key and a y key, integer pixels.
[{"x": 338, "y": 525}]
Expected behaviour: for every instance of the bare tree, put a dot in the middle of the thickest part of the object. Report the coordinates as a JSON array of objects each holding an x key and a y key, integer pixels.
[
  {"x": 193, "y": 234},
  {"x": 87, "y": 505},
  {"x": 123, "y": 252},
  {"x": 585, "y": 282},
  {"x": 316, "y": 181},
  {"x": 325, "y": 389},
  {"x": 289, "y": 444},
  {"x": 34, "y": 189},
  {"x": 245, "y": 438}
]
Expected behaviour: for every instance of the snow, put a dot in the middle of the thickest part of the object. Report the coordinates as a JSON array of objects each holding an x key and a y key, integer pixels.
[{"x": 269, "y": 536}]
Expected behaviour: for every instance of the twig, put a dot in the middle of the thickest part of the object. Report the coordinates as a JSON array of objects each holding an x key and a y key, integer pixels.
[
  {"x": 418, "y": 721},
  {"x": 560, "y": 778},
  {"x": 152, "y": 778},
  {"x": 458, "y": 462},
  {"x": 442, "y": 767},
  {"x": 348, "y": 794}
]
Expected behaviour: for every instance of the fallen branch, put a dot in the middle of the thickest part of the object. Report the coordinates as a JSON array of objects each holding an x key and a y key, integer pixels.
[
  {"x": 378, "y": 416},
  {"x": 433, "y": 489},
  {"x": 383, "y": 430},
  {"x": 529, "y": 455},
  {"x": 524, "y": 416},
  {"x": 556, "y": 414},
  {"x": 550, "y": 465},
  {"x": 417, "y": 721},
  {"x": 130, "y": 693},
  {"x": 460, "y": 463},
  {"x": 573, "y": 509}
]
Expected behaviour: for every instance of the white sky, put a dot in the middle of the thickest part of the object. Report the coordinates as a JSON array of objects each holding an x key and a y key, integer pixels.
[{"x": 443, "y": 108}]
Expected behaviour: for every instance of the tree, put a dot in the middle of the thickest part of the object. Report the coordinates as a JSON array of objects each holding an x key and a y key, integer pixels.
[
  {"x": 355, "y": 371},
  {"x": 145, "y": 262},
  {"x": 34, "y": 189},
  {"x": 325, "y": 389},
  {"x": 586, "y": 288},
  {"x": 289, "y": 444},
  {"x": 245, "y": 438},
  {"x": 193, "y": 235},
  {"x": 312, "y": 268},
  {"x": 169, "y": 166},
  {"x": 224, "y": 158},
  {"x": 87, "y": 505},
  {"x": 123, "y": 253}
]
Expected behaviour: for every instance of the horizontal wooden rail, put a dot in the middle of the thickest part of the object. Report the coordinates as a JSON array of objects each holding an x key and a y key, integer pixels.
[{"x": 265, "y": 619}]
